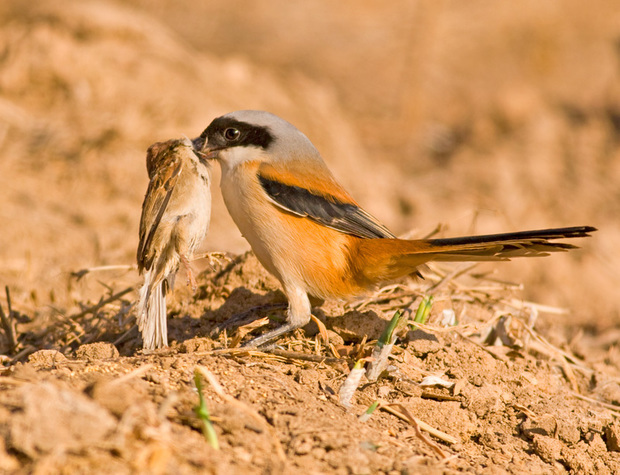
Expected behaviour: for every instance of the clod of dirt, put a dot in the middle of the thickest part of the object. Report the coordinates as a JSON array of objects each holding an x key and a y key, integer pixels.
[
  {"x": 7, "y": 461},
  {"x": 197, "y": 344},
  {"x": 546, "y": 425},
  {"x": 46, "y": 358},
  {"x": 97, "y": 351},
  {"x": 610, "y": 393},
  {"x": 55, "y": 419},
  {"x": 547, "y": 448},
  {"x": 117, "y": 398},
  {"x": 422, "y": 343},
  {"x": 25, "y": 372},
  {"x": 352, "y": 326},
  {"x": 334, "y": 338},
  {"x": 612, "y": 436},
  {"x": 568, "y": 431}
]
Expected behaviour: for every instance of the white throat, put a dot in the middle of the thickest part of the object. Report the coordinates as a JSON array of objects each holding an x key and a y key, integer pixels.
[{"x": 232, "y": 157}]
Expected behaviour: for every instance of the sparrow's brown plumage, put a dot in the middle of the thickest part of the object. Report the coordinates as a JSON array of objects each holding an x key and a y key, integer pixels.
[
  {"x": 312, "y": 235},
  {"x": 175, "y": 219}
]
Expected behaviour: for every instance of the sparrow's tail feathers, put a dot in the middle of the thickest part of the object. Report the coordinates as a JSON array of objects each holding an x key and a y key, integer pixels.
[{"x": 151, "y": 314}]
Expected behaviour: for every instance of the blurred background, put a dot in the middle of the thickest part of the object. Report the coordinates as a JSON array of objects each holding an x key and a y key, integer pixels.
[{"x": 480, "y": 117}]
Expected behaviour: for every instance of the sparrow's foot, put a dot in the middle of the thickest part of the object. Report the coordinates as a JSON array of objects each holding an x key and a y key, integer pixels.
[
  {"x": 214, "y": 258},
  {"x": 191, "y": 281}
]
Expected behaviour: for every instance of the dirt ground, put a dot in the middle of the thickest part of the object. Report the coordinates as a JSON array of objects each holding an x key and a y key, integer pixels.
[
  {"x": 505, "y": 404},
  {"x": 431, "y": 113}
]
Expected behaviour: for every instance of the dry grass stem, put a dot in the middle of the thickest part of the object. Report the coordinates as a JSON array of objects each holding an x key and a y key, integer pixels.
[
  {"x": 401, "y": 412},
  {"x": 102, "y": 303},
  {"x": 81, "y": 273},
  {"x": 8, "y": 322},
  {"x": 219, "y": 390},
  {"x": 136, "y": 373}
]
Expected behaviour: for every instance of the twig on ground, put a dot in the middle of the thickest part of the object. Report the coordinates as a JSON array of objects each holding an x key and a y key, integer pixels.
[
  {"x": 521, "y": 304},
  {"x": 460, "y": 270},
  {"x": 294, "y": 355},
  {"x": 246, "y": 317},
  {"x": 557, "y": 352},
  {"x": 615, "y": 410},
  {"x": 403, "y": 414},
  {"x": 440, "y": 227},
  {"x": 102, "y": 303},
  {"x": 136, "y": 373},
  {"x": 126, "y": 335},
  {"x": 8, "y": 322},
  {"x": 23, "y": 353},
  {"x": 383, "y": 294},
  {"x": 81, "y": 273},
  {"x": 482, "y": 347},
  {"x": 243, "y": 330},
  {"x": 322, "y": 329},
  {"x": 12, "y": 381}
]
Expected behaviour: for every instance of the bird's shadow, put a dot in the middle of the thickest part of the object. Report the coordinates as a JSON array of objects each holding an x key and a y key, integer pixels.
[{"x": 242, "y": 307}]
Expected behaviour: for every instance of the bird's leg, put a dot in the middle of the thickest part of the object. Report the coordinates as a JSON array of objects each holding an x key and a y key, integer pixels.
[
  {"x": 191, "y": 281},
  {"x": 214, "y": 257},
  {"x": 298, "y": 315}
]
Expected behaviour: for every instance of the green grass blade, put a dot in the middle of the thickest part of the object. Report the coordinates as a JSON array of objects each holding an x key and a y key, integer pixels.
[{"x": 202, "y": 413}]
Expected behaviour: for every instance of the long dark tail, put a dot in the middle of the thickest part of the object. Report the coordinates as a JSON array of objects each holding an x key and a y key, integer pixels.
[
  {"x": 386, "y": 259},
  {"x": 504, "y": 246}
]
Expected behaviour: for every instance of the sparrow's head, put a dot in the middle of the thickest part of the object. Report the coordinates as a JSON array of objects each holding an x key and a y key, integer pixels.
[
  {"x": 160, "y": 154},
  {"x": 251, "y": 135}
]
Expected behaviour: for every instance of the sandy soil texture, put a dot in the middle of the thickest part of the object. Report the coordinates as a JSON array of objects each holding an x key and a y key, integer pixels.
[
  {"x": 500, "y": 396},
  {"x": 474, "y": 118}
]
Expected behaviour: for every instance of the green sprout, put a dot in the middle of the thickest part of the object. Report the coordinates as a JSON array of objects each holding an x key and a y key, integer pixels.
[
  {"x": 424, "y": 310},
  {"x": 399, "y": 320},
  {"x": 372, "y": 408},
  {"x": 203, "y": 414}
]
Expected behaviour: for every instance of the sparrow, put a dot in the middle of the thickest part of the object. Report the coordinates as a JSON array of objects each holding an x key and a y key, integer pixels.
[
  {"x": 175, "y": 219},
  {"x": 310, "y": 233}
]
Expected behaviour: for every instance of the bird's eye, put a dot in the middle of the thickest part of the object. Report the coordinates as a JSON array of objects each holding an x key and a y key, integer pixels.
[{"x": 231, "y": 134}]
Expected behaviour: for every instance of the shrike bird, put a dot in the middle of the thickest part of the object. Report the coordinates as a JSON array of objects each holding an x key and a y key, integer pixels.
[
  {"x": 175, "y": 219},
  {"x": 312, "y": 235}
]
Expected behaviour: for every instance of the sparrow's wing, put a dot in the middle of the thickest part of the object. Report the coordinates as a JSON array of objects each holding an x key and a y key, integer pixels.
[
  {"x": 334, "y": 210},
  {"x": 164, "y": 177}
]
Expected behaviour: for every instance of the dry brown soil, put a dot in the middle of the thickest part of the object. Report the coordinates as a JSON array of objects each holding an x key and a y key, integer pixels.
[{"x": 479, "y": 118}]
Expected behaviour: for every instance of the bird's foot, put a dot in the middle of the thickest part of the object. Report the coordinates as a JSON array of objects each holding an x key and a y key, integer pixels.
[
  {"x": 269, "y": 336},
  {"x": 191, "y": 281},
  {"x": 214, "y": 258}
]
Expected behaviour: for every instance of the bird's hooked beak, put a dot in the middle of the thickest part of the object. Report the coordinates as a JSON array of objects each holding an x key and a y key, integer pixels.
[{"x": 201, "y": 147}]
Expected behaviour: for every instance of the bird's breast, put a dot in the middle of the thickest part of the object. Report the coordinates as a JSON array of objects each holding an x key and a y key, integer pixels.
[{"x": 297, "y": 250}]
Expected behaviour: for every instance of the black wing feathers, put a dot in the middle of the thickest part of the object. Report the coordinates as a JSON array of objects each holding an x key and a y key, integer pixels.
[
  {"x": 351, "y": 219},
  {"x": 328, "y": 211}
]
